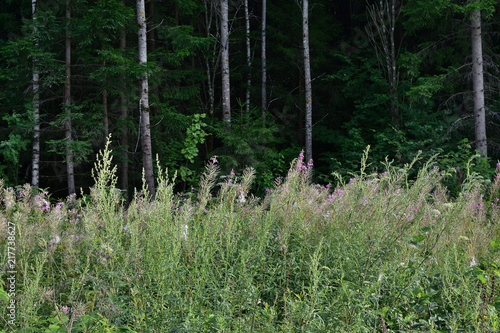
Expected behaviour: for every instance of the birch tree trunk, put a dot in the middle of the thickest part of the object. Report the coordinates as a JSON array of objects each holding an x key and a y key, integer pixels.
[
  {"x": 249, "y": 56},
  {"x": 35, "y": 170},
  {"x": 226, "y": 88},
  {"x": 105, "y": 118},
  {"x": 264, "y": 63},
  {"x": 67, "y": 105},
  {"x": 211, "y": 62},
  {"x": 147, "y": 156},
  {"x": 123, "y": 118},
  {"x": 384, "y": 17},
  {"x": 478, "y": 83},
  {"x": 307, "y": 78}
]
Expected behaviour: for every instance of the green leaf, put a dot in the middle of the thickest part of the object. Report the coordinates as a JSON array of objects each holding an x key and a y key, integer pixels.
[
  {"x": 418, "y": 238},
  {"x": 426, "y": 229},
  {"x": 3, "y": 295},
  {"x": 481, "y": 278}
]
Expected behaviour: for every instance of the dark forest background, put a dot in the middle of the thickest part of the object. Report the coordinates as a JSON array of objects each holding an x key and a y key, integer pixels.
[{"x": 427, "y": 105}]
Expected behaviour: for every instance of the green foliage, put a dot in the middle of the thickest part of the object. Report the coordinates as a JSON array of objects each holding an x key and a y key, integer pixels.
[
  {"x": 248, "y": 144},
  {"x": 195, "y": 135},
  {"x": 465, "y": 164},
  {"x": 384, "y": 251}
]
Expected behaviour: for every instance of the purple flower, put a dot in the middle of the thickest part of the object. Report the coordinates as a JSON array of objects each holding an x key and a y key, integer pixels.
[
  {"x": 65, "y": 309},
  {"x": 301, "y": 156}
]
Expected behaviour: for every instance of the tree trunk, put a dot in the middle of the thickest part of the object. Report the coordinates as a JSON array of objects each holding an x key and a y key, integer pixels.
[
  {"x": 478, "y": 84},
  {"x": 264, "y": 63},
  {"x": 105, "y": 118},
  {"x": 249, "y": 56},
  {"x": 35, "y": 171},
  {"x": 226, "y": 89},
  {"x": 67, "y": 105},
  {"x": 307, "y": 78},
  {"x": 384, "y": 17},
  {"x": 147, "y": 155},
  {"x": 211, "y": 63},
  {"x": 123, "y": 119}
]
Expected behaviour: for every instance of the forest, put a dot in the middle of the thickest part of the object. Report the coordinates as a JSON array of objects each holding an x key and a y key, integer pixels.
[
  {"x": 249, "y": 166},
  {"x": 400, "y": 76}
]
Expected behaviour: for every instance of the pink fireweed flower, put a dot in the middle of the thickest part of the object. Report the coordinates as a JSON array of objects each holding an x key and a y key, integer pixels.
[{"x": 301, "y": 156}]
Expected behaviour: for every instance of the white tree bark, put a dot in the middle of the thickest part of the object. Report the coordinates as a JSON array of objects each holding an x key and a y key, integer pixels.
[
  {"x": 226, "y": 88},
  {"x": 211, "y": 61},
  {"x": 264, "y": 63},
  {"x": 384, "y": 17},
  {"x": 35, "y": 170},
  {"x": 147, "y": 155},
  {"x": 67, "y": 105},
  {"x": 307, "y": 78},
  {"x": 105, "y": 117},
  {"x": 249, "y": 56},
  {"x": 478, "y": 83},
  {"x": 124, "y": 131}
]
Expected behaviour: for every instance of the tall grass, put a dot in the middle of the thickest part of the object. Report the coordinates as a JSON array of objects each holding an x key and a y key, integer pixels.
[{"x": 378, "y": 253}]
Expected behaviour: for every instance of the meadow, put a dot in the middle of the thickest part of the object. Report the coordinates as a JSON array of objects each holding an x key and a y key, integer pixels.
[{"x": 382, "y": 252}]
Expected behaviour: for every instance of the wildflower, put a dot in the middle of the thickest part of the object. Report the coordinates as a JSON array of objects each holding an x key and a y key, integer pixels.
[
  {"x": 473, "y": 262},
  {"x": 55, "y": 240},
  {"x": 107, "y": 248},
  {"x": 435, "y": 212},
  {"x": 65, "y": 309},
  {"x": 184, "y": 231},
  {"x": 448, "y": 205},
  {"x": 232, "y": 173},
  {"x": 241, "y": 199}
]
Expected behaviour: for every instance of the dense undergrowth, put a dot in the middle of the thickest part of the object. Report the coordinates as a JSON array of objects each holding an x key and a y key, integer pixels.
[{"x": 379, "y": 253}]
